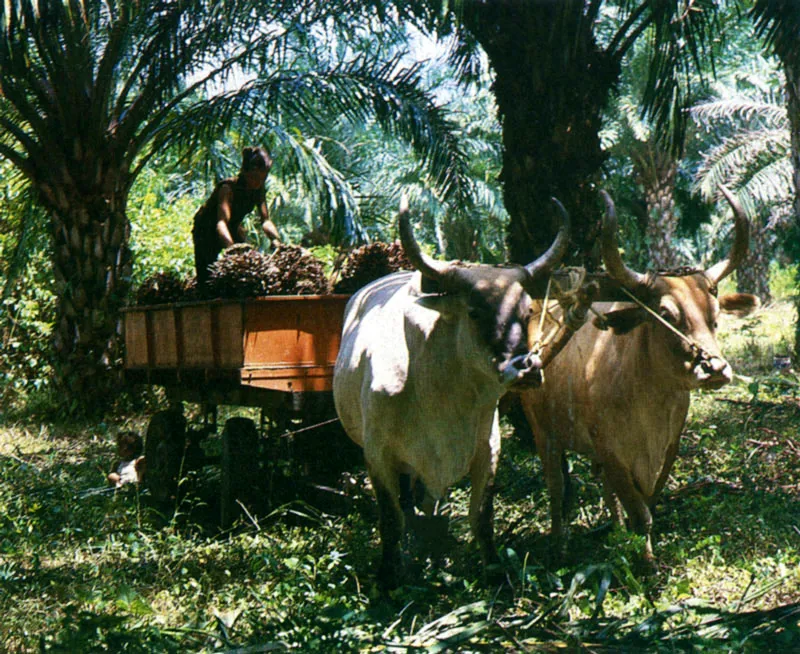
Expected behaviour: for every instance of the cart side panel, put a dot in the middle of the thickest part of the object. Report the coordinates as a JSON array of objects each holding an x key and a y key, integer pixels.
[
  {"x": 228, "y": 323},
  {"x": 164, "y": 338},
  {"x": 291, "y": 344},
  {"x": 136, "y": 354},
  {"x": 197, "y": 337}
]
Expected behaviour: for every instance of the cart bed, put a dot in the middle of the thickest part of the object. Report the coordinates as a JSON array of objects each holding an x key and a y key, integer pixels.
[{"x": 282, "y": 343}]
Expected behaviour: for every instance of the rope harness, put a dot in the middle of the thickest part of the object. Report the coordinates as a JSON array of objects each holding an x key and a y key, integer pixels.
[
  {"x": 700, "y": 355},
  {"x": 575, "y": 309},
  {"x": 575, "y": 303}
]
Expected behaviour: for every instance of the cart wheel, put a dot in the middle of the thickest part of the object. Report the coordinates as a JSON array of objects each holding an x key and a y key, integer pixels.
[
  {"x": 166, "y": 435},
  {"x": 239, "y": 466}
]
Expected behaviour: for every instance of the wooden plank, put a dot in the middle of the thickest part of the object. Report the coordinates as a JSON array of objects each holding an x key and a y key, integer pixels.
[
  {"x": 292, "y": 344},
  {"x": 196, "y": 336},
  {"x": 164, "y": 338},
  {"x": 229, "y": 335},
  {"x": 289, "y": 378},
  {"x": 136, "y": 339}
]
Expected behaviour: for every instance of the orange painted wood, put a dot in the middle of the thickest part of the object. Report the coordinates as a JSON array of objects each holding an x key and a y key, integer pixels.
[{"x": 283, "y": 343}]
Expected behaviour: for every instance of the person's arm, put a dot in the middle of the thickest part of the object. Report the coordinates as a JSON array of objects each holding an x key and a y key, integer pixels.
[
  {"x": 267, "y": 225},
  {"x": 224, "y": 215}
]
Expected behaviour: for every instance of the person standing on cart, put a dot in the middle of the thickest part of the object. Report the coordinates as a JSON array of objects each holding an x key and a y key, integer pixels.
[{"x": 218, "y": 223}]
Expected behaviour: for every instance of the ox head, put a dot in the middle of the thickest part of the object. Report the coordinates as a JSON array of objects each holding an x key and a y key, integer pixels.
[
  {"x": 683, "y": 340},
  {"x": 498, "y": 299}
]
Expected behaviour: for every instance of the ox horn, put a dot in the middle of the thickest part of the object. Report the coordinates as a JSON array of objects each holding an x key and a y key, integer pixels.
[
  {"x": 545, "y": 264},
  {"x": 741, "y": 241},
  {"x": 609, "y": 248},
  {"x": 439, "y": 271}
]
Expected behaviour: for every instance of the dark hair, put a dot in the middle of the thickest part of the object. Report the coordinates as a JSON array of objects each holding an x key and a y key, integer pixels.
[
  {"x": 255, "y": 158},
  {"x": 131, "y": 440}
]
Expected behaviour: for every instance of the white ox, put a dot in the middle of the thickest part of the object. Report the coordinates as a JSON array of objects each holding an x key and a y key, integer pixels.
[
  {"x": 419, "y": 375},
  {"x": 621, "y": 396}
]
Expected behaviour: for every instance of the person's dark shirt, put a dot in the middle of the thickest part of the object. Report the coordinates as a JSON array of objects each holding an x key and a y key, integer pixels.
[{"x": 243, "y": 201}]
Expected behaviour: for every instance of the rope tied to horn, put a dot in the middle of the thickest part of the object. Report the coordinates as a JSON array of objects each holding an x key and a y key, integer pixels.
[
  {"x": 699, "y": 353},
  {"x": 575, "y": 302}
]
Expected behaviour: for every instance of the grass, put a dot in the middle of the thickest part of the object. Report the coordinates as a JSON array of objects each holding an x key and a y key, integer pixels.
[{"x": 83, "y": 569}]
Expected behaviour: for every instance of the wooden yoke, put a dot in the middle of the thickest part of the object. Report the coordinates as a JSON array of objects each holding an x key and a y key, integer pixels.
[
  {"x": 576, "y": 292},
  {"x": 574, "y": 317}
]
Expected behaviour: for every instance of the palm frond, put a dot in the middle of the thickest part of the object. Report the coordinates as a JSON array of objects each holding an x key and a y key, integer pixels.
[
  {"x": 778, "y": 23},
  {"x": 771, "y": 184},
  {"x": 735, "y": 157},
  {"x": 680, "y": 45},
  {"x": 741, "y": 109},
  {"x": 360, "y": 92},
  {"x": 324, "y": 188},
  {"x": 24, "y": 228}
]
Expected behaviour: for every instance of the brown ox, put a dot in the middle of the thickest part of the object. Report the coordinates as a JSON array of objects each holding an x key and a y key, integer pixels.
[{"x": 621, "y": 396}]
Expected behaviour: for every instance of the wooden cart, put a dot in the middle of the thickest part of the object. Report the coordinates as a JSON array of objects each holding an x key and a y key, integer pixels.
[{"x": 276, "y": 353}]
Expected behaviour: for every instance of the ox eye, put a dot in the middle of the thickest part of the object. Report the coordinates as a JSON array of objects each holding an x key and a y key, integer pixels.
[{"x": 669, "y": 316}]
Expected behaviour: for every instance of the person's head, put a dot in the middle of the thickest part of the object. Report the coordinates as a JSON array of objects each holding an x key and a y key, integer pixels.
[
  {"x": 256, "y": 164},
  {"x": 129, "y": 445}
]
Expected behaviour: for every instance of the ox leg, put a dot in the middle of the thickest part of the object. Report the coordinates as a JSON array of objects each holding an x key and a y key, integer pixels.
[
  {"x": 481, "y": 509},
  {"x": 609, "y": 496},
  {"x": 636, "y": 505},
  {"x": 669, "y": 459},
  {"x": 553, "y": 467},
  {"x": 390, "y": 526},
  {"x": 407, "y": 496}
]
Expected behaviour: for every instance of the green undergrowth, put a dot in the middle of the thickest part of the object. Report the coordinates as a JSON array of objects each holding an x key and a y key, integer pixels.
[{"x": 85, "y": 569}]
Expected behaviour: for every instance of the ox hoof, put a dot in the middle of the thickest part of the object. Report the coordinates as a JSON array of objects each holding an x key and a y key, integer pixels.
[
  {"x": 648, "y": 566},
  {"x": 390, "y": 575},
  {"x": 494, "y": 574}
]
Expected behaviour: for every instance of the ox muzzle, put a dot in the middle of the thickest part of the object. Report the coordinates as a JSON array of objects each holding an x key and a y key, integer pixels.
[
  {"x": 523, "y": 371},
  {"x": 710, "y": 371}
]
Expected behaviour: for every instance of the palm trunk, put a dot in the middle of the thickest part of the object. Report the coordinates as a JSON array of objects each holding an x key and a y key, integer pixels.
[
  {"x": 656, "y": 171},
  {"x": 753, "y": 275},
  {"x": 92, "y": 266},
  {"x": 551, "y": 83},
  {"x": 791, "y": 67}
]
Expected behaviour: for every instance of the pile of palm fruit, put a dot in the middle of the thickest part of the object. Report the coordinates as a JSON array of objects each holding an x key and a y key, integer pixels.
[
  {"x": 240, "y": 272},
  {"x": 299, "y": 272},
  {"x": 243, "y": 272},
  {"x": 161, "y": 288},
  {"x": 371, "y": 262}
]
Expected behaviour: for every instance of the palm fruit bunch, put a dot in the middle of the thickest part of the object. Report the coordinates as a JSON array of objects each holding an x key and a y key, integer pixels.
[
  {"x": 161, "y": 288},
  {"x": 241, "y": 272},
  {"x": 190, "y": 290},
  {"x": 298, "y": 272},
  {"x": 371, "y": 262}
]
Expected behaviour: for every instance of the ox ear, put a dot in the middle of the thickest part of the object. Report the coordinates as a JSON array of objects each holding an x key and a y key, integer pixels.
[
  {"x": 739, "y": 304},
  {"x": 622, "y": 320}
]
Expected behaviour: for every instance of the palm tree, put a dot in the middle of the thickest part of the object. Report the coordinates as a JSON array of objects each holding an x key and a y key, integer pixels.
[
  {"x": 778, "y": 22},
  {"x": 630, "y": 139},
  {"x": 555, "y": 65},
  {"x": 91, "y": 91},
  {"x": 750, "y": 153}
]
